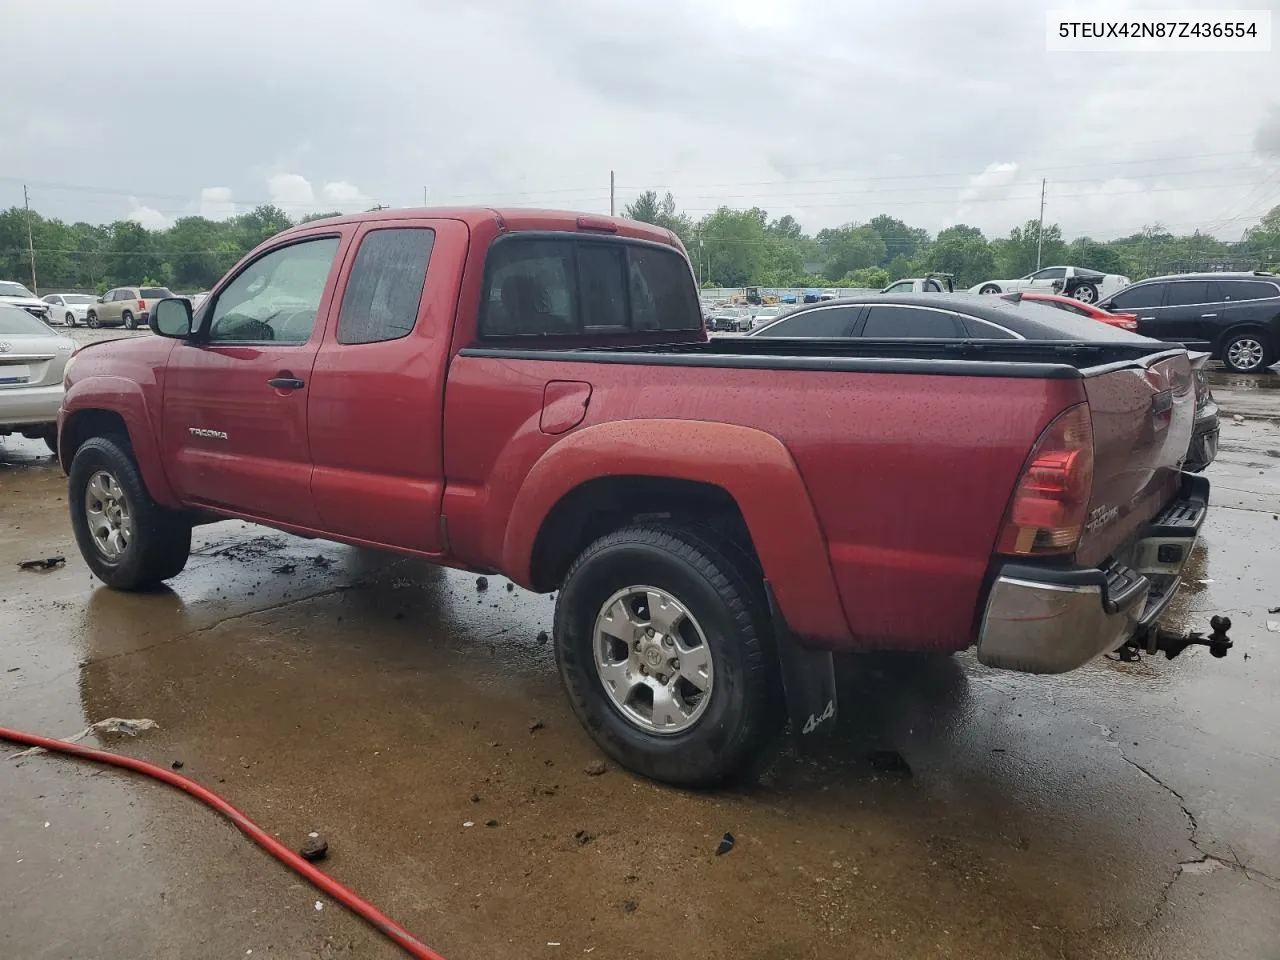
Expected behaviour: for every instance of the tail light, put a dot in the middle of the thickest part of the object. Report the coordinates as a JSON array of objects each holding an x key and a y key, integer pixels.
[
  {"x": 1125, "y": 321},
  {"x": 142, "y": 305},
  {"x": 1051, "y": 501}
]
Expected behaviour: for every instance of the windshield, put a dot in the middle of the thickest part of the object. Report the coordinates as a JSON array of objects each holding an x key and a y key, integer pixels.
[
  {"x": 15, "y": 322},
  {"x": 74, "y": 298},
  {"x": 8, "y": 289}
]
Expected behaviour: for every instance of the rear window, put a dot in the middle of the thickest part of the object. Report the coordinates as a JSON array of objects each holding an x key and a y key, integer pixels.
[
  {"x": 538, "y": 286},
  {"x": 1061, "y": 325},
  {"x": 909, "y": 323},
  {"x": 18, "y": 322},
  {"x": 155, "y": 293}
]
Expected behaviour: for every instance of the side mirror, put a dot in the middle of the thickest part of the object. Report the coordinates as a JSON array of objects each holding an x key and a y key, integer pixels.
[{"x": 171, "y": 317}]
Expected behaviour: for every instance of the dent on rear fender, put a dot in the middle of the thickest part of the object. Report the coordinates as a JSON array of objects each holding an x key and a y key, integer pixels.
[{"x": 753, "y": 467}]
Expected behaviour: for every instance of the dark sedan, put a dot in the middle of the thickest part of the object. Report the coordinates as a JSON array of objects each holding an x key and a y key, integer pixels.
[{"x": 966, "y": 316}]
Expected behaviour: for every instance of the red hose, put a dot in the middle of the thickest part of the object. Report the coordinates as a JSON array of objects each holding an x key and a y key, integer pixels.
[{"x": 362, "y": 908}]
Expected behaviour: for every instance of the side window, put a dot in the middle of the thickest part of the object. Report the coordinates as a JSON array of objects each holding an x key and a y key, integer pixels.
[
  {"x": 911, "y": 323},
  {"x": 276, "y": 297},
  {"x": 1050, "y": 273},
  {"x": 981, "y": 330},
  {"x": 530, "y": 289},
  {"x": 826, "y": 322},
  {"x": 1135, "y": 298},
  {"x": 385, "y": 286},
  {"x": 1186, "y": 292},
  {"x": 1248, "y": 290},
  {"x": 662, "y": 290},
  {"x": 602, "y": 271},
  {"x": 902, "y": 286},
  {"x": 52, "y": 300}
]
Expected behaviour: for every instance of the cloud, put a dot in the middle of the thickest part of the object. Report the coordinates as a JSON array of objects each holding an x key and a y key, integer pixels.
[
  {"x": 835, "y": 110},
  {"x": 149, "y": 217},
  {"x": 216, "y": 203},
  {"x": 294, "y": 194}
]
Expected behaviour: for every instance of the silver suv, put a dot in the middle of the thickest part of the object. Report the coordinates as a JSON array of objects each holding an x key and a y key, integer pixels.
[{"x": 129, "y": 307}]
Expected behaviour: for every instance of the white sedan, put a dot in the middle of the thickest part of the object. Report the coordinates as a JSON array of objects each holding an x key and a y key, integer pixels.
[
  {"x": 70, "y": 308},
  {"x": 32, "y": 360},
  {"x": 1087, "y": 286}
]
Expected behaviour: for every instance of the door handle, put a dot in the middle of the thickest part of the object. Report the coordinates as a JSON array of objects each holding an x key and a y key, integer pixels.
[
  {"x": 286, "y": 383},
  {"x": 1146, "y": 318},
  {"x": 1205, "y": 316}
]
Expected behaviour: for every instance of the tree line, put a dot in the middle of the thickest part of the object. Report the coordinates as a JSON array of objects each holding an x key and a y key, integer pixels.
[
  {"x": 734, "y": 248},
  {"x": 729, "y": 248}
]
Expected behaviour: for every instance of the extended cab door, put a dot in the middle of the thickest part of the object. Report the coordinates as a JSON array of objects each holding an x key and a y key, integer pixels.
[
  {"x": 377, "y": 389},
  {"x": 235, "y": 395}
]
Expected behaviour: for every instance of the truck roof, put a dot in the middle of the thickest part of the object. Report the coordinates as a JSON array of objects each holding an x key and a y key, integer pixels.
[{"x": 514, "y": 218}]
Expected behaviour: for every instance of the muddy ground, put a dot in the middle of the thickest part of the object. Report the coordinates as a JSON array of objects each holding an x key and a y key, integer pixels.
[{"x": 1126, "y": 810}]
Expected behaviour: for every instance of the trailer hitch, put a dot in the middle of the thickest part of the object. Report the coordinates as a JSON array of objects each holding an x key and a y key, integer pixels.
[{"x": 1171, "y": 643}]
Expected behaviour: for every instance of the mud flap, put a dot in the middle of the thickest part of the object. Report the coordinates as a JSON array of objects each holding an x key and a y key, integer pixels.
[{"x": 808, "y": 679}]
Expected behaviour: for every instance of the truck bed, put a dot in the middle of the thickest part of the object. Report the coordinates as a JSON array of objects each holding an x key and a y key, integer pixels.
[{"x": 1047, "y": 359}]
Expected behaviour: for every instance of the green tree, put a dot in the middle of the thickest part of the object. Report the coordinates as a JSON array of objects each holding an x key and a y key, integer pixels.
[
  {"x": 868, "y": 277},
  {"x": 962, "y": 250},
  {"x": 133, "y": 254},
  {"x": 1016, "y": 256},
  {"x": 849, "y": 248},
  {"x": 644, "y": 208},
  {"x": 899, "y": 239}
]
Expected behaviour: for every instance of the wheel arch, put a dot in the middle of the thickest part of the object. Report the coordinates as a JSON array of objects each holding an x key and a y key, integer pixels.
[
  {"x": 1246, "y": 326},
  {"x": 85, "y": 415},
  {"x": 739, "y": 480}
]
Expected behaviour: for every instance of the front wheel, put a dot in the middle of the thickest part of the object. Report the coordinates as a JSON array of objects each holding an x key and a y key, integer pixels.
[
  {"x": 1247, "y": 352},
  {"x": 989, "y": 288},
  {"x": 91, "y": 320},
  {"x": 662, "y": 639},
  {"x": 128, "y": 540},
  {"x": 1086, "y": 293},
  {"x": 129, "y": 323}
]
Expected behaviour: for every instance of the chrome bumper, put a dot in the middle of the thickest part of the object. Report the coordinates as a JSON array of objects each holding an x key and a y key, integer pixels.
[{"x": 1051, "y": 620}]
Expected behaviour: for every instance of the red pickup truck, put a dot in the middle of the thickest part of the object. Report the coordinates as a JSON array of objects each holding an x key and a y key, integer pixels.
[{"x": 533, "y": 393}]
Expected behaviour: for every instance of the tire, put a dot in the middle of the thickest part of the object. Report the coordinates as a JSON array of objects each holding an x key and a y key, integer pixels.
[
  {"x": 129, "y": 323},
  {"x": 1086, "y": 293},
  {"x": 989, "y": 288},
  {"x": 1247, "y": 351},
  {"x": 158, "y": 540},
  {"x": 724, "y": 608},
  {"x": 91, "y": 320},
  {"x": 70, "y": 319}
]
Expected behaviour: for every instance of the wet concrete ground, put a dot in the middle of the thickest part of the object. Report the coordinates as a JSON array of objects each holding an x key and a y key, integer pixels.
[{"x": 1124, "y": 810}]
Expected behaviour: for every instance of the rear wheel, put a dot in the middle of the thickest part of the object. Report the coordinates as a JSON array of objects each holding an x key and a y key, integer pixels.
[
  {"x": 129, "y": 324},
  {"x": 662, "y": 640},
  {"x": 128, "y": 540},
  {"x": 1247, "y": 352},
  {"x": 989, "y": 288},
  {"x": 1086, "y": 293}
]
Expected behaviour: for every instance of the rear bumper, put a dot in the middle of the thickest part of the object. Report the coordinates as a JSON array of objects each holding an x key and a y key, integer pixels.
[
  {"x": 1204, "y": 442},
  {"x": 1052, "y": 619},
  {"x": 29, "y": 406}
]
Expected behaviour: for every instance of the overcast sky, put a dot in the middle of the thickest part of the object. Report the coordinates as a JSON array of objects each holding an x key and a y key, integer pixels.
[{"x": 830, "y": 110}]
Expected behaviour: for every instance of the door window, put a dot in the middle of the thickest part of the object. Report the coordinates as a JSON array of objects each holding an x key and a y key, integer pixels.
[
  {"x": 1139, "y": 297},
  {"x": 385, "y": 286},
  {"x": 1187, "y": 292},
  {"x": 1050, "y": 273},
  {"x": 903, "y": 286},
  {"x": 911, "y": 323},
  {"x": 825, "y": 322},
  {"x": 275, "y": 298}
]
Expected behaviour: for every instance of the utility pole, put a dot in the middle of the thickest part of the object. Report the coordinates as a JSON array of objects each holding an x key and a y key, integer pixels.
[
  {"x": 611, "y": 193},
  {"x": 31, "y": 247},
  {"x": 424, "y": 196},
  {"x": 1040, "y": 232}
]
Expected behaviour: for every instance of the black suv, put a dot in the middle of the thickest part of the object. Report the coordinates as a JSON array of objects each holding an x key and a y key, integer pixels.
[{"x": 1234, "y": 316}]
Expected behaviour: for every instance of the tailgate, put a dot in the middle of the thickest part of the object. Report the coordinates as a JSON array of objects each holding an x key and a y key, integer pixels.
[{"x": 1142, "y": 414}]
